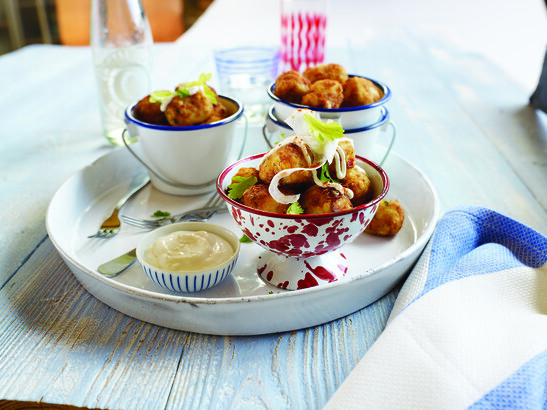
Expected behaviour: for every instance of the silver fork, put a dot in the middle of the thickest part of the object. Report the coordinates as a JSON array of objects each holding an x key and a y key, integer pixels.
[
  {"x": 213, "y": 206},
  {"x": 111, "y": 226}
]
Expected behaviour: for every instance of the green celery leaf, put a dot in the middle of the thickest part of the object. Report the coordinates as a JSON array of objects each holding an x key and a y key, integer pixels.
[
  {"x": 203, "y": 78},
  {"x": 209, "y": 94},
  {"x": 322, "y": 130},
  {"x": 160, "y": 96},
  {"x": 241, "y": 184}
]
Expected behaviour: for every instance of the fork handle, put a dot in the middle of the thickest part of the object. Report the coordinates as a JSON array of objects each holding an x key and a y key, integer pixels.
[{"x": 139, "y": 182}]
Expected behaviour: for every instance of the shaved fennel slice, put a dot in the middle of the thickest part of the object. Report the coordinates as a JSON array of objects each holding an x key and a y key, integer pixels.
[
  {"x": 296, "y": 120},
  {"x": 279, "y": 196},
  {"x": 322, "y": 150}
]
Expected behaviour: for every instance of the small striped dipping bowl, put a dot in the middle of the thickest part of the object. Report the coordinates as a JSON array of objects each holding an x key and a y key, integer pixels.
[{"x": 188, "y": 281}]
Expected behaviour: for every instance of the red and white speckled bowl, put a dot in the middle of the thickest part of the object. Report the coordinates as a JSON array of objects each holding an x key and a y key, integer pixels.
[{"x": 303, "y": 250}]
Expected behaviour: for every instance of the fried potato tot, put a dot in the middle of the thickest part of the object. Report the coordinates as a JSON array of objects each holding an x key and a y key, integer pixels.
[
  {"x": 285, "y": 157},
  {"x": 150, "y": 112},
  {"x": 357, "y": 180},
  {"x": 246, "y": 172},
  {"x": 291, "y": 86},
  {"x": 191, "y": 110},
  {"x": 219, "y": 113},
  {"x": 326, "y": 72},
  {"x": 258, "y": 197},
  {"x": 360, "y": 91},
  {"x": 324, "y": 94},
  {"x": 319, "y": 200},
  {"x": 388, "y": 219}
]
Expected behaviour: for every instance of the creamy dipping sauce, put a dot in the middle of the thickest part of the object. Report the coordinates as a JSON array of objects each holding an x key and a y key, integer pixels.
[{"x": 188, "y": 251}]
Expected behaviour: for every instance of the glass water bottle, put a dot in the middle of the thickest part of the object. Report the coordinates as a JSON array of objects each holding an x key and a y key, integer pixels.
[{"x": 121, "y": 42}]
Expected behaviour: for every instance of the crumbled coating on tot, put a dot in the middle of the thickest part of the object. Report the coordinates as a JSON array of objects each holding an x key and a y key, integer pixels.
[{"x": 388, "y": 219}]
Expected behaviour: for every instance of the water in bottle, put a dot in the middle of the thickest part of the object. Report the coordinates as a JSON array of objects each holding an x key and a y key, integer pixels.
[{"x": 121, "y": 41}]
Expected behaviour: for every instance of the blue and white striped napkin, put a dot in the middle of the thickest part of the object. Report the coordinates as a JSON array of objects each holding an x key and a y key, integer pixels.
[{"x": 469, "y": 327}]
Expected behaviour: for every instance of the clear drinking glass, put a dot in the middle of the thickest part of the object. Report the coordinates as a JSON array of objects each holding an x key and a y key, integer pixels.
[
  {"x": 121, "y": 41},
  {"x": 245, "y": 73}
]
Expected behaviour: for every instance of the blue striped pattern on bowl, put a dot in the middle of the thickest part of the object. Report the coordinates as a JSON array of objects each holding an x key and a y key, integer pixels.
[{"x": 188, "y": 282}]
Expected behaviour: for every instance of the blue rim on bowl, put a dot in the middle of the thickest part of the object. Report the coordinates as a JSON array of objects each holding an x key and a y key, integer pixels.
[
  {"x": 384, "y": 118},
  {"x": 385, "y": 89},
  {"x": 129, "y": 117}
]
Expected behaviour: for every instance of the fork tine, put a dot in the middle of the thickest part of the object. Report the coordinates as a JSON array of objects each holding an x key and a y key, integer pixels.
[
  {"x": 217, "y": 201},
  {"x": 104, "y": 233},
  {"x": 209, "y": 209},
  {"x": 140, "y": 223},
  {"x": 210, "y": 203}
]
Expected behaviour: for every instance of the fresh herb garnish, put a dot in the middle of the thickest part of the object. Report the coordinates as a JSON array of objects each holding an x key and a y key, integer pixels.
[
  {"x": 245, "y": 239},
  {"x": 203, "y": 78},
  {"x": 241, "y": 184},
  {"x": 280, "y": 139},
  {"x": 295, "y": 209},
  {"x": 160, "y": 214},
  {"x": 182, "y": 90},
  {"x": 324, "y": 174},
  {"x": 322, "y": 130},
  {"x": 160, "y": 96}
]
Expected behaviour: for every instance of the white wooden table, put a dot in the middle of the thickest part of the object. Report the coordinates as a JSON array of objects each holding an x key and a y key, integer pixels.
[{"x": 461, "y": 119}]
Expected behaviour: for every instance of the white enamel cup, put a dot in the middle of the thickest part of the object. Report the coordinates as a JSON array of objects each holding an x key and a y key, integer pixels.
[{"x": 186, "y": 160}]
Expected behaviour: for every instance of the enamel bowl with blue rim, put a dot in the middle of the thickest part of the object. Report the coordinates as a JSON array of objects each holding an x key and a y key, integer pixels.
[{"x": 349, "y": 117}]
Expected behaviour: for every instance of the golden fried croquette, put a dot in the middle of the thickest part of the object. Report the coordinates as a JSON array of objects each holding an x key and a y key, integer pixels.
[
  {"x": 388, "y": 219},
  {"x": 357, "y": 180},
  {"x": 326, "y": 72},
  {"x": 324, "y": 94},
  {"x": 246, "y": 172},
  {"x": 150, "y": 112},
  {"x": 258, "y": 197},
  {"x": 291, "y": 86},
  {"x": 320, "y": 200},
  {"x": 285, "y": 157},
  {"x": 219, "y": 113},
  {"x": 191, "y": 110},
  {"x": 360, "y": 91}
]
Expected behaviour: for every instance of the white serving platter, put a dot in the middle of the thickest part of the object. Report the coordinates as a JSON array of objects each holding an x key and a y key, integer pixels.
[{"x": 242, "y": 304}]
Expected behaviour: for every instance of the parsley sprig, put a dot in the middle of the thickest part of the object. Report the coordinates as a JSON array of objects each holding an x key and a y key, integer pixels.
[
  {"x": 161, "y": 215},
  {"x": 295, "y": 209},
  {"x": 240, "y": 185},
  {"x": 324, "y": 174}
]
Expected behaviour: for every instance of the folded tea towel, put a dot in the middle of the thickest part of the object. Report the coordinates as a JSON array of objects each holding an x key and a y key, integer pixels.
[{"x": 469, "y": 327}]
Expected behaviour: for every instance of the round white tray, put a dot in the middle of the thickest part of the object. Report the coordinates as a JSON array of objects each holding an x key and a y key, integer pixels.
[{"x": 242, "y": 304}]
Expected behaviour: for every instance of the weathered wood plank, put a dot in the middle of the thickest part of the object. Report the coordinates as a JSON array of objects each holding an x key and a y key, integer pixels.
[{"x": 87, "y": 354}]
